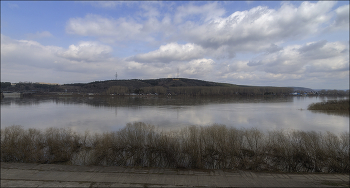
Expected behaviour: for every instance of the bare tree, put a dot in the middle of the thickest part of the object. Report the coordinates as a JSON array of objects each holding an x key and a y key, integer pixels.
[{"x": 116, "y": 75}]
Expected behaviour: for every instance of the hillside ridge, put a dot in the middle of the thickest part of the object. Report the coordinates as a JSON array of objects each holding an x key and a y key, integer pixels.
[
  {"x": 161, "y": 86},
  {"x": 181, "y": 86},
  {"x": 165, "y": 82}
]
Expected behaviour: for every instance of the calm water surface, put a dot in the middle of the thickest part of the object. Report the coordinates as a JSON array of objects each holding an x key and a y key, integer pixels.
[{"x": 109, "y": 114}]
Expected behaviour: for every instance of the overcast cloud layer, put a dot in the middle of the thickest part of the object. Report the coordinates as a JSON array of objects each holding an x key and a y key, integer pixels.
[{"x": 302, "y": 44}]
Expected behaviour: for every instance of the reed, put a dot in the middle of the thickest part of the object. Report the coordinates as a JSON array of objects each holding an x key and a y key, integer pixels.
[
  {"x": 195, "y": 147},
  {"x": 338, "y": 105}
]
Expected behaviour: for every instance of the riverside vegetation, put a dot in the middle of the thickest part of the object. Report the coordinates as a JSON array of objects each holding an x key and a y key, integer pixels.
[
  {"x": 337, "y": 105},
  {"x": 199, "y": 147}
]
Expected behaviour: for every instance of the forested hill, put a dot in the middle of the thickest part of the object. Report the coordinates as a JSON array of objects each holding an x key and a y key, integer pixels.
[
  {"x": 138, "y": 83},
  {"x": 161, "y": 86},
  {"x": 182, "y": 86}
]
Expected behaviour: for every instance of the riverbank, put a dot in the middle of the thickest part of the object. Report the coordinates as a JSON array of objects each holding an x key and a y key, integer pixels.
[
  {"x": 54, "y": 175},
  {"x": 331, "y": 105},
  {"x": 192, "y": 147}
]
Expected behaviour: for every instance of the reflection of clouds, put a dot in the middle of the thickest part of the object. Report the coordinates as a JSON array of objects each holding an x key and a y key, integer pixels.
[
  {"x": 196, "y": 116},
  {"x": 138, "y": 101},
  {"x": 261, "y": 116},
  {"x": 264, "y": 115}
]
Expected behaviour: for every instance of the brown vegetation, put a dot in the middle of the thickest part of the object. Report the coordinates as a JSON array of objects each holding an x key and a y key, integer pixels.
[
  {"x": 156, "y": 89},
  {"x": 206, "y": 147},
  {"x": 231, "y": 90},
  {"x": 334, "y": 92},
  {"x": 118, "y": 90},
  {"x": 338, "y": 105}
]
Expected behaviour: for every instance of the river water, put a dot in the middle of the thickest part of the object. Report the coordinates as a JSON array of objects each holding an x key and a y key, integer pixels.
[{"x": 101, "y": 114}]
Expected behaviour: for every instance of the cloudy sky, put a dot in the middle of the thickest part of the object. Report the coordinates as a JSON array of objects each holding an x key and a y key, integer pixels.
[{"x": 260, "y": 43}]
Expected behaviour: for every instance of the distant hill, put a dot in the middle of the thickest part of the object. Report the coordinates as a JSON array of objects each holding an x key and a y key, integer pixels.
[
  {"x": 183, "y": 86},
  {"x": 134, "y": 84},
  {"x": 139, "y": 83},
  {"x": 161, "y": 86}
]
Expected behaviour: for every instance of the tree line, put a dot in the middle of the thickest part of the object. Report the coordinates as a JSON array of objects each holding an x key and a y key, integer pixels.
[
  {"x": 125, "y": 87},
  {"x": 333, "y": 92},
  {"x": 29, "y": 86},
  {"x": 201, "y": 90},
  {"x": 221, "y": 90}
]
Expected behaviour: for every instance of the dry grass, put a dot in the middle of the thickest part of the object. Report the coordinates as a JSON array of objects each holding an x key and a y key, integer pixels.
[
  {"x": 196, "y": 147},
  {"x": 338, "y": 105}
]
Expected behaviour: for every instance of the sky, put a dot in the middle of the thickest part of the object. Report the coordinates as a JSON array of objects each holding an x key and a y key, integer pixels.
[{"x": 260, "y": 43}]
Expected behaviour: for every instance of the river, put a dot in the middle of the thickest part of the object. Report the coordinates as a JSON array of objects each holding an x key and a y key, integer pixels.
[{"x": 101, "y": 114}]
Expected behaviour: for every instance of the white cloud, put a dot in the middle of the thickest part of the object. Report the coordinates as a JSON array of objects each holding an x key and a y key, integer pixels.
[
  {"x": 35, "y": 57},
  {"x": 171, "y": 52},
  {"x": 254, "y": 30},
  {"x": 310, "y": 65},
  {"x": 87, "y": 51},
  {"x": 320, "y": 56},
  {"x": 137, "y": 70},
  {"x": 107, "y": 30},
  {"x": 31, "y": 52},
  {"x": 198, "y": 68},
  {"x": 149, "y": 9},
  {"x": 199, "y": 40},
  {"x": 205, "y": 12},
  {"x": 174, "y": 52},
  {"x": 342, "y": 19},
  {"x": 293, "y": 65}
]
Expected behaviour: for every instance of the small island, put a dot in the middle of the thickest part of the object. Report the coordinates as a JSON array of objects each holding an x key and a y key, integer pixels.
[{"x": 331, "y": 105}]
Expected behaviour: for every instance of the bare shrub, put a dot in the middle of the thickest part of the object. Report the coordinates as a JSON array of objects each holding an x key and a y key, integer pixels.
[
  {"x": 21, "y": 145},
  {"x": 60, "y": 144},
  {"x": 215, "y": 146},
  {"x": 201, "y": 147},
  {"x": 253, "y": 145},
  {"x": 11, "y": 144},
  {"x": 338, "y": 105},
  {"x": 84, "y": 155}
]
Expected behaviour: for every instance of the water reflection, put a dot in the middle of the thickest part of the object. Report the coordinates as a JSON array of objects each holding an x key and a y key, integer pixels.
[
  {"x": 125, "y": 101},
  {"x": 100, "y": 114},
  {"x": 336, "y": 113},
  {"x": 23, "y": 101}
]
